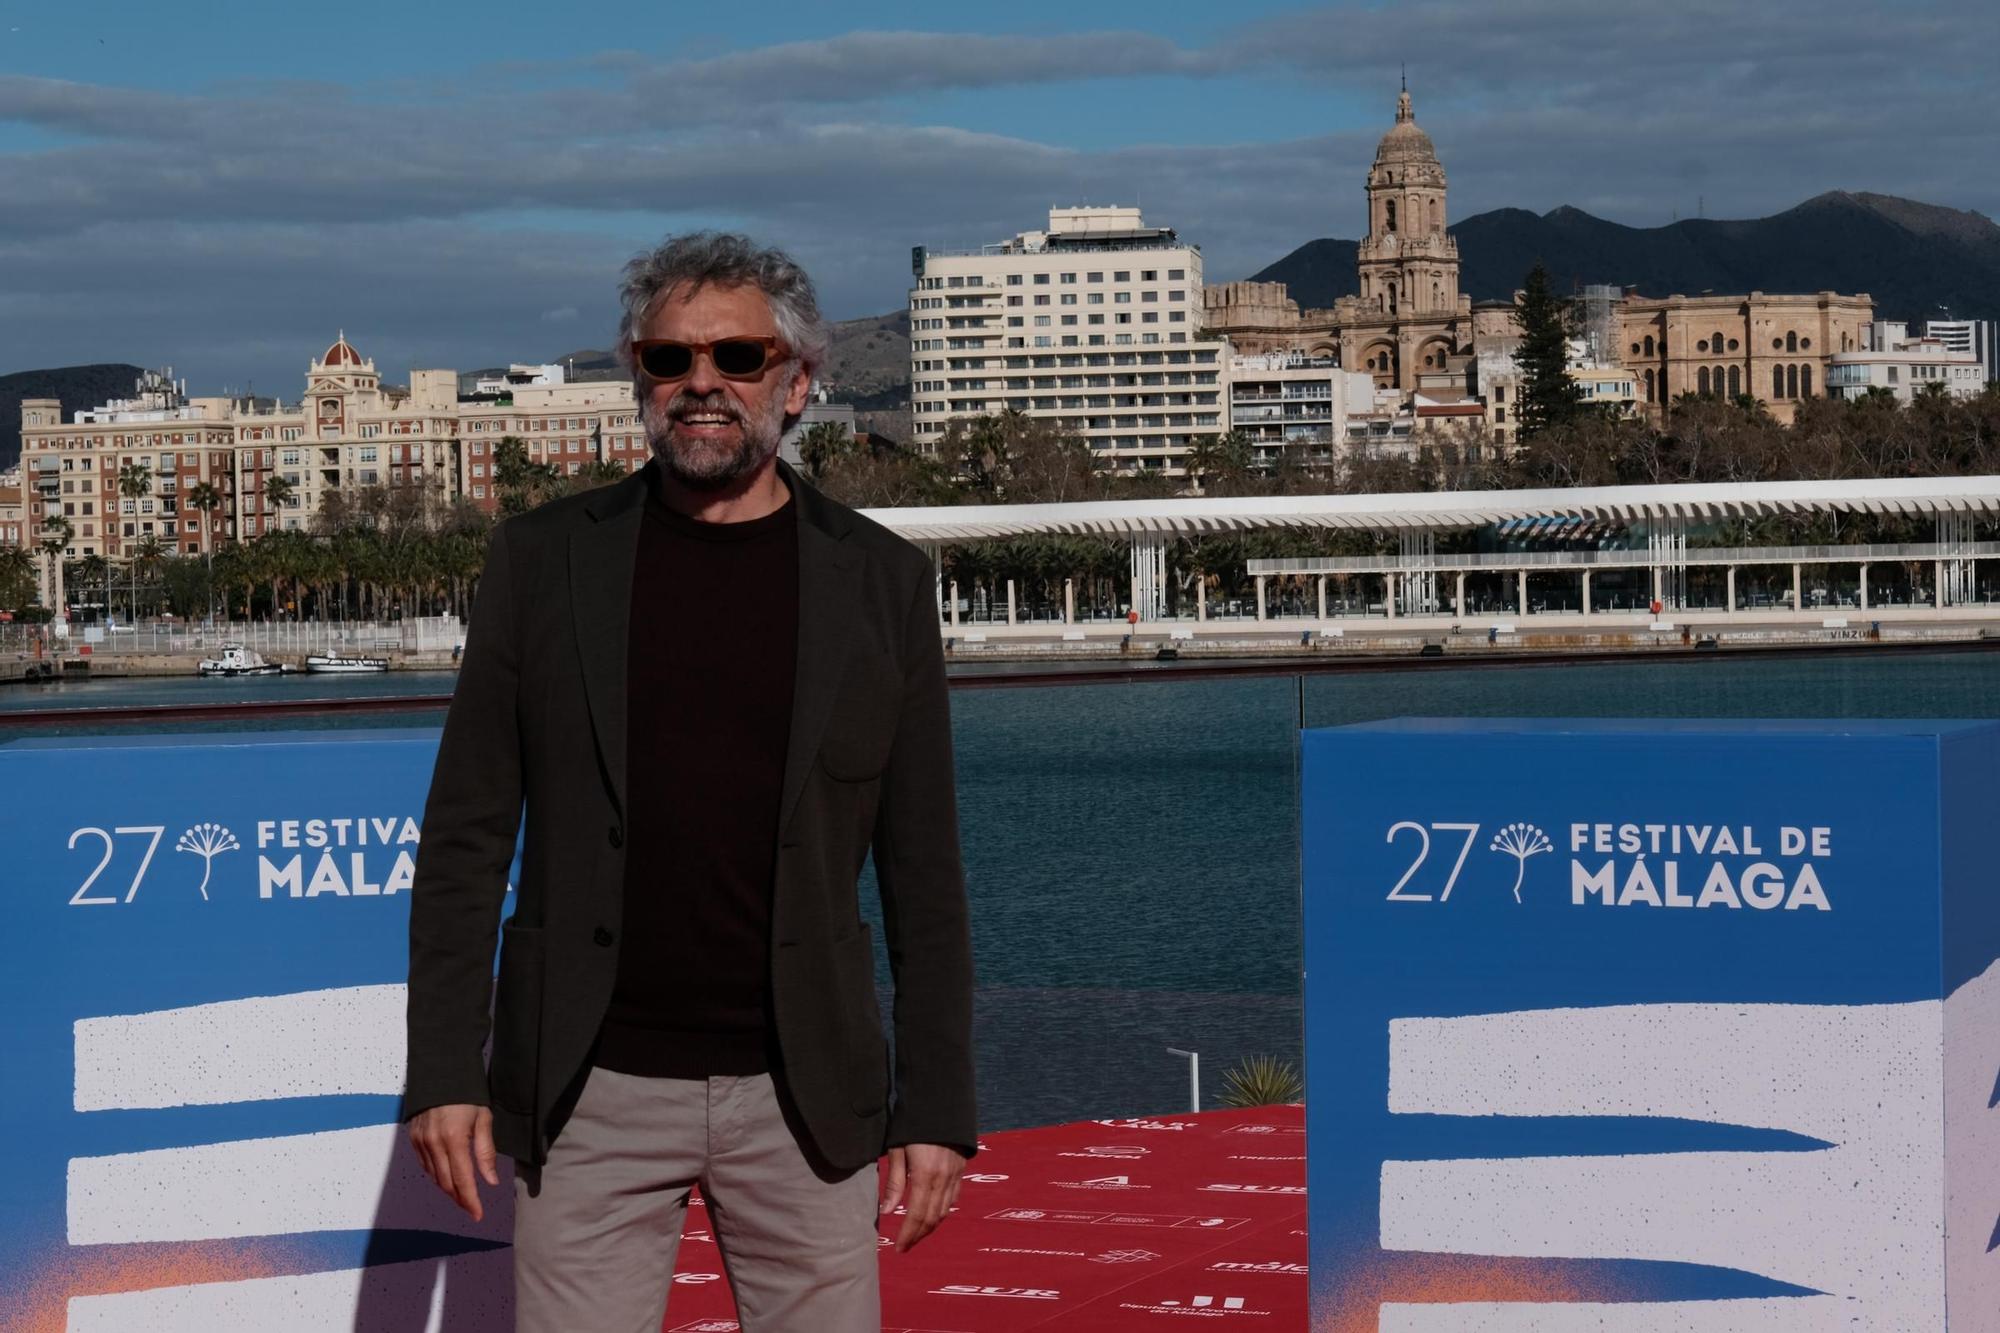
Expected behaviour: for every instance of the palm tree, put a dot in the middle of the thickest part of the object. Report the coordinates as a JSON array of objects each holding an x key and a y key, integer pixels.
[
  {"x": 205, "y": 499},
  {"x": 56, "y": 533},
  {"x": 278, "y": 492},
  {"x": 147, "y": 555},
  {"x": 17, "y": 577},
  {"x": 135, "y": 480}
]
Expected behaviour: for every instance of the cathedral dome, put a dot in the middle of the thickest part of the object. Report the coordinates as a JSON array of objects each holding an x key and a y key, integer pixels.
[
  {"x": 342, "y": 353},
  {"x": 1405, "y": 142}
]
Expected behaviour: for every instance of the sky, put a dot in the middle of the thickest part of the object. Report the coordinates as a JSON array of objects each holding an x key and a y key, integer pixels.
[{"x": 222, "y": 186}]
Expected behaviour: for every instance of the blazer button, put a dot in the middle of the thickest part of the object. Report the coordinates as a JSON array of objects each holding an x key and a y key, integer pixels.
[
  {"x": 603, "y": 937},
  {"x": 615, "y": 836}
]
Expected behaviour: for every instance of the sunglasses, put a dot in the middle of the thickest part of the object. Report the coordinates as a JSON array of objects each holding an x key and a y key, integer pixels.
[{"x": 745, "y": 357}]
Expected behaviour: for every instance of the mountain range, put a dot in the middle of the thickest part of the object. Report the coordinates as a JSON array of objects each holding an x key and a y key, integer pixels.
[{"x": 1911, "y": 257}]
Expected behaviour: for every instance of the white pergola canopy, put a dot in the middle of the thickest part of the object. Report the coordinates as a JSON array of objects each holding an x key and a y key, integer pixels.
[{"x": 1443, "y": 511}]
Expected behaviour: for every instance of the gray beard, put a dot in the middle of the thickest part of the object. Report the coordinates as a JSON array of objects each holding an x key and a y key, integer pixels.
[{"x": 711, "y": 466}]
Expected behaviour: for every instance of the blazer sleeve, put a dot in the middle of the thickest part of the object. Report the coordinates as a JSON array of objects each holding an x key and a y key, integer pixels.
[
  {"x": 924, "y": 916},
  {"x": 471, "y": 821}
]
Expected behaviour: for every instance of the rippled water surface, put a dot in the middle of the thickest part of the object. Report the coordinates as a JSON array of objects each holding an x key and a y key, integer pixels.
[{"x": 1132, "y": 849}]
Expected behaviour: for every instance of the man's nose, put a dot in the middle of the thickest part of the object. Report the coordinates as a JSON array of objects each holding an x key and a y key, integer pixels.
[{"x": 702, "y": 379}]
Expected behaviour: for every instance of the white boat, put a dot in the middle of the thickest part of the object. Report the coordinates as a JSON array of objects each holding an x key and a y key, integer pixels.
[
  {"x": 236, "y": 660},
  {"x": 343, "y": 664}
]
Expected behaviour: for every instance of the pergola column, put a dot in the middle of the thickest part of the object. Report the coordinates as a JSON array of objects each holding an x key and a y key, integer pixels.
[
  {"x": 1389, "y": 590},
  {"x": 1458, "y": 598},
  {"x": 1586, "y": 594},
  {"x": 1260, "y": 597},
  {"x": 1322, "y": 597},
  {"x": 1730, "y": 587},
  {"x": 954, "y": 603},
  {"x": 1069, "y": 601},
  {"x": 1798, "y": 589},
  {"x": 1010, "y": 601},
  {"x": 1937, "y": 588},
  {"x": 1201, "y": 598},
  {"x": 1521, "y": 592},
  {"x": 1864, "y": 585}
]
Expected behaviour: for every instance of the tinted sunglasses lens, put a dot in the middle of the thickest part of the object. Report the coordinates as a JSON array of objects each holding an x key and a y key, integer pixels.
[
  {"x": 666, "y": 361},
  {"x": 739, "y": 357}
]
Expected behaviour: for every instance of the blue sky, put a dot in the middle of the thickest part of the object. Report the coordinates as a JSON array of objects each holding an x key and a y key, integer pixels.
[{"x": 220, "y": 185}]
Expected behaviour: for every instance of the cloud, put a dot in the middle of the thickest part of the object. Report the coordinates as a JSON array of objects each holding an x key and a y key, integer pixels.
[{"x": 227, "y": 230}]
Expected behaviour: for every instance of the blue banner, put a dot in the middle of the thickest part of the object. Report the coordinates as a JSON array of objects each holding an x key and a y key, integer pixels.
[
  {"x": 1652, "y": 1026},
  {"x": 204, "y": 1047}
]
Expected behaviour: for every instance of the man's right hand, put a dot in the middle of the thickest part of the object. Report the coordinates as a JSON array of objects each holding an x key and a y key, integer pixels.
[{"x": 452, "y": 1140}]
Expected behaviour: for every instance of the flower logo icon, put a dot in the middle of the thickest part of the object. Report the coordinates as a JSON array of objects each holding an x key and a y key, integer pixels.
[
  {"x": 1521, "y": 841},
  {"x": 206, "y": 841}
]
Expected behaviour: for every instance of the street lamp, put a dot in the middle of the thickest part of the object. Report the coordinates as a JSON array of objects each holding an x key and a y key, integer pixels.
[{"x": 1194, "y": 1078}]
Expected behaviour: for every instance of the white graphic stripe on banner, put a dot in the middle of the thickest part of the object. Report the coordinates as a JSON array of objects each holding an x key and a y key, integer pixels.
[
  {"x": 1804, "y": 1314},
  {"x": 1808, "y": 1068},
  {"x": 1867, "y": 1079},
  {"x": 476, "y": 1292},
  {"x": 312, "y": 1044},
  {"x": 341, "y": 1180}
]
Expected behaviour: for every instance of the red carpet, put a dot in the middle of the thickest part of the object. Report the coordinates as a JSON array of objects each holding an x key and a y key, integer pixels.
[{"x": 1114, "y": 1226}]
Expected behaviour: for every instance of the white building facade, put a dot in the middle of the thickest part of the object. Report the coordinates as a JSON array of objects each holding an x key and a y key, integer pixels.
[
  {"x": 1093, "y": 323},
  {"x": 1893, "y": 361},
  {"x": 1288, "y": 404}
]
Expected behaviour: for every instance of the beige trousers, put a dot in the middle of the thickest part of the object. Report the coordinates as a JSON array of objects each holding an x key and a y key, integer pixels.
[{"x": 596, "y": 1228}]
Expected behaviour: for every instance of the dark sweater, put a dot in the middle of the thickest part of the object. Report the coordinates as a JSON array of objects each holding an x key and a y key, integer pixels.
[{"x": 712, "y": 656}]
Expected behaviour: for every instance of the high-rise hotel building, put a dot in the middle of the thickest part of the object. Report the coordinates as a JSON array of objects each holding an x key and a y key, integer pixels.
[{"x": 1094, "y": 322}]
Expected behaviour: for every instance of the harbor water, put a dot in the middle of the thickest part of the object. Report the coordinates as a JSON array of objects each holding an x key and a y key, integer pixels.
[{"x": 1131, "y": 849}]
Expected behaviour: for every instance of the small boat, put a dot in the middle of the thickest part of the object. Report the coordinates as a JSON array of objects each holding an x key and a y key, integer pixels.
[
  {"x": 236, "y": 660},
  {"x": 342, "y": 664}
]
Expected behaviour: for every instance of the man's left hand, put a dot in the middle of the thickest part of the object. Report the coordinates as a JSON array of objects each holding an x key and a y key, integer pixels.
[{"x": 929, "y": 1172}]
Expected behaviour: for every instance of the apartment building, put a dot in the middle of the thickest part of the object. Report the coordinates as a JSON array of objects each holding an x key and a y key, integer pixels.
[
  {"x": 1094, "y": 322},
  {"x": 1973, "y": 336},
  {"x": 1297, "y": 406},
  {"x": 1896, "y": 363},
  {"x": 348, "y": 431}
]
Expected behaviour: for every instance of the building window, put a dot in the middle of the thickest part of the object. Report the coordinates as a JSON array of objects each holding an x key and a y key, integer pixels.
[
  {"x": 1649, "y": 344},
  {"x": 1041, "y": 279},
  {"x": 1499, "y": 416},
  {"x": 1649, "y": 386},
  {"x": 1805, "y": 381},
  {"x": 1777, "y": 382},
  {"x": 1791, "y": 381},
  {"x": 1735, "y": 381},
  {"x": 1701, "y": 381},
  {"x": 1013, "y": 280},
  {"x": 1791, "y": 342},
  {"x": 1392, "y": 216}
]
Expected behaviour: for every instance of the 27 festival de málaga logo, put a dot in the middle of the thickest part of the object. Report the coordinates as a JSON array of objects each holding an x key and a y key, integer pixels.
[
  {"x": 1626, "y": 863},
  {"x": 348, "y": 856}
]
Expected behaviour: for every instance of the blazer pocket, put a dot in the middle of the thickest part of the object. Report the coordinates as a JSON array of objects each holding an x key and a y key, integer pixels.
[
  {"x": 866, "y": 1066},
  {"x": 517, "y": 1018}
]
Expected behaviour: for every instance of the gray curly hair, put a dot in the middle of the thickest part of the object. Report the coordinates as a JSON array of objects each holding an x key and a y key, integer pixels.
[{"x": 727, "y": 259}]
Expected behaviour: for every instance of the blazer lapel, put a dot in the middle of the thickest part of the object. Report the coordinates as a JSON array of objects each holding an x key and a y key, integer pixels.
[
  {"x": 602, "y": 557},
  {"x": 829, "y": 598}
]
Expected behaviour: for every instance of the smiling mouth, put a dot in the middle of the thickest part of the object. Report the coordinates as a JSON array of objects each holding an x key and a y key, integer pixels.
[{"x": 709, "y": 419}]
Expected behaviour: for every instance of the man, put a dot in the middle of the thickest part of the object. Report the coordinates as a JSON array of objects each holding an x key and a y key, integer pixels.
[{"x": 710, "y": 690}]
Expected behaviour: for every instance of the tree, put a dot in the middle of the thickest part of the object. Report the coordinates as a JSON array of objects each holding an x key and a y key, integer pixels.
[
  {"x": 56, "y": 534},
  {"x": 823, "y": 444},
  {"x": 1548, "y": 396},
  {"x": 279, "y": 492},
  {"x": 17, "y": 577},
  {"x": 205, "y": 499},
  {"x": 135, "y": 480},
  {"x": 146, "y": 558}
]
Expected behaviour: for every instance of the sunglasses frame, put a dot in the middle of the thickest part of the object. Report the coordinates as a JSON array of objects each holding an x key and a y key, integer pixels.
[{"x": 775, "y": 351}]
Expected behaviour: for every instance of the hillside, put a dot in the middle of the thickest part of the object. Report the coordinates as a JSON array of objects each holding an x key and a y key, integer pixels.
[
  {"x": 1911, "y": 257},
  {"x": 76, "y": 386}
]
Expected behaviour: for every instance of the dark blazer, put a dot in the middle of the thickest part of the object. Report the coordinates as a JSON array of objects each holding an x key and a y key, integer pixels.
[{"x": 537, "y": 726}]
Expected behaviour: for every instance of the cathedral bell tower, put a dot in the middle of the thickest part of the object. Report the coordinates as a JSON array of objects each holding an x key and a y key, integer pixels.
[{"x": 1408, "y": 264}]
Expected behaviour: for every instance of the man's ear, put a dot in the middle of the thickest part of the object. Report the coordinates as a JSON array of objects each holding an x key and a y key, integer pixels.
[{"x": 801, "y": 390}]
